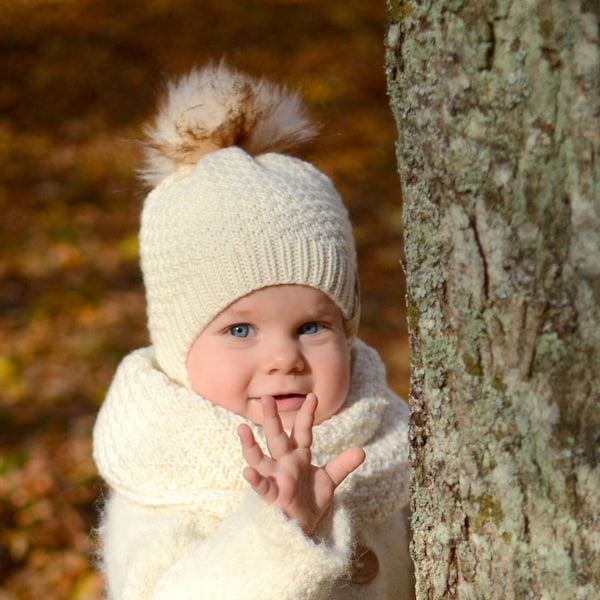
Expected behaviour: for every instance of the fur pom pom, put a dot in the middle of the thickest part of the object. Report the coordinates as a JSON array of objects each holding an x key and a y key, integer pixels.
[{"x": 216, "y": 107}]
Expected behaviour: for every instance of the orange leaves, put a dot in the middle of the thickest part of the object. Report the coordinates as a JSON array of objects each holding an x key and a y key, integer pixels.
[{"x": 76, "y": 80}]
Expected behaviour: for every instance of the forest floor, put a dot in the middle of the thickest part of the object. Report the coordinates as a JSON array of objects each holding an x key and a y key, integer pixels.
[{"x": 78, "y": 78}]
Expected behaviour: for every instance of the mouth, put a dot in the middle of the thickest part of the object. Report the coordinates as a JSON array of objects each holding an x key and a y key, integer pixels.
[{"x": 288, "y": 402}]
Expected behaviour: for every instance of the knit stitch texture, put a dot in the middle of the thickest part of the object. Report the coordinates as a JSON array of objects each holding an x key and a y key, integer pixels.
[{"x": 158, "y": 443}]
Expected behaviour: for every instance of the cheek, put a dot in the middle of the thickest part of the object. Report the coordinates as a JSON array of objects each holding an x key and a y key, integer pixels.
[
  {"x": 200, "y": 380},
  {"x": 333, "y": 386},
  {"x": 343, "y": 383},
  {"x": 204, "y": 370},
  {"x": 219, "y": 376},
  {"x": 210, "y": 382}
]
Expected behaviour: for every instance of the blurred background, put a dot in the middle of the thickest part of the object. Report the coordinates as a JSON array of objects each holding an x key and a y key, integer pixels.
[{"x": 78, "y": 78}]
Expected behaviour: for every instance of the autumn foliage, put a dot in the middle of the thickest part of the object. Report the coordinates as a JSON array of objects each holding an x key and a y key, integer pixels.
[{"x": 77, "y": 81}]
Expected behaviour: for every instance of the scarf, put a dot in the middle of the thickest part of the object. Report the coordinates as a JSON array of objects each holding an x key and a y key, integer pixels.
[{"x": 159, "y": 443}]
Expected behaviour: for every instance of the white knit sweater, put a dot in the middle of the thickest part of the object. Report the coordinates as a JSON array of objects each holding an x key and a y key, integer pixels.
[{"x": 182, "y": 523}]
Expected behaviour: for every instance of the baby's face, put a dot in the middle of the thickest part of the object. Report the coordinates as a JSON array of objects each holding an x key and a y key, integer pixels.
[{"x": 283, "y": 341}]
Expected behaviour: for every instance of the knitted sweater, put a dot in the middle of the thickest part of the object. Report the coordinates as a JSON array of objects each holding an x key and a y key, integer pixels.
[{"x": 182, "y": 523}]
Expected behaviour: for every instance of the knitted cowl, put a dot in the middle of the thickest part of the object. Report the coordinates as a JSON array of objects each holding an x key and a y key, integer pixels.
[{"x": 159, "y": 443}]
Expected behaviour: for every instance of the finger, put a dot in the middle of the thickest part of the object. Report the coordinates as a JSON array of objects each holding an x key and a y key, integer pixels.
[
  {"x": 264, "y": 487},
  {"x": 339, "y": 467},
  {"x": 278, "y": 441},
  {"x": 251, "y": 451},
  {"x": 302, "y": 431}
]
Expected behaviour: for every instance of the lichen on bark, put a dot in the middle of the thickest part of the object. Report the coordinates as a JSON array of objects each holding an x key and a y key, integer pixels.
[{"x": 497, "y": 105}]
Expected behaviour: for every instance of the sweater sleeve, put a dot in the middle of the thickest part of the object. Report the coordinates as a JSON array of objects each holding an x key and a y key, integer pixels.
[{"x": 256, "y": 552}]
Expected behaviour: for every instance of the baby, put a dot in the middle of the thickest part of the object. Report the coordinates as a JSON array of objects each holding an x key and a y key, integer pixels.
[{"x": 254, "y": 450}]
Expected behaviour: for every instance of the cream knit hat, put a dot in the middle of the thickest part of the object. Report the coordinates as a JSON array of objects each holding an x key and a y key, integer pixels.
[{"x": 230, "y": 214}]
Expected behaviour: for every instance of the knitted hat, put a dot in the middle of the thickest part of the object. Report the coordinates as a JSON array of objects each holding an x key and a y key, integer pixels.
[{"x": 230, "y": 214}]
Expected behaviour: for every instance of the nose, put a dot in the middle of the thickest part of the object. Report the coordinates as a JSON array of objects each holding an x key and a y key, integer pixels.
[{"x": 283, "y": 355}]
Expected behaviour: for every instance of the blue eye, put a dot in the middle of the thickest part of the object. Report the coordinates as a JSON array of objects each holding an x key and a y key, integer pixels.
[
  {"x": 309, "y": 328},
  {"x": 241, "y": 330}
]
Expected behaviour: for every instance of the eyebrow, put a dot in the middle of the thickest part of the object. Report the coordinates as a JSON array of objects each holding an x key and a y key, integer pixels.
[
  {"x": 238, "y": 313},
  {"x": 319, "y": 308}
]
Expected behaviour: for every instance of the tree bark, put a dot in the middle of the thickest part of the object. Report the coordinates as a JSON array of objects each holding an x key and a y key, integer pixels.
[{"x": 498, "y": 110}]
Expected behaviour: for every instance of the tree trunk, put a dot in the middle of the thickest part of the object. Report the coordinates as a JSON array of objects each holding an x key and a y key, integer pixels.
[{"x": 498, "y": 110}]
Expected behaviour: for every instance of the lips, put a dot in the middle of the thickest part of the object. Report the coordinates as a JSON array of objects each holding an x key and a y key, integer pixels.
[
  {"x": 286, "y": 402},
  {"x": 289, "y": 402},
  {"x": 280, "y": 396}
]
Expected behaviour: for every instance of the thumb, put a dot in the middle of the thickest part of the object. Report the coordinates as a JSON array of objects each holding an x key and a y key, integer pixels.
[{"x": 339, "y": 467}]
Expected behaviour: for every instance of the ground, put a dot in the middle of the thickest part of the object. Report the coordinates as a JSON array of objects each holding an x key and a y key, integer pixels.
[{"x": 78, "y": 78}]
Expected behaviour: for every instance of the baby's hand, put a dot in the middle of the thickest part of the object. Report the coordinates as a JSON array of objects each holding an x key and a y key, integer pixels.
[{"x": 287, "y": 478}]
